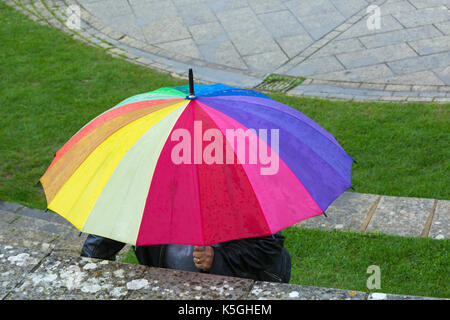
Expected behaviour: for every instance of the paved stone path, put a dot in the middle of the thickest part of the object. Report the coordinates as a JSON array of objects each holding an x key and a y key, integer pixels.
[{"x": 240, "y": 43}]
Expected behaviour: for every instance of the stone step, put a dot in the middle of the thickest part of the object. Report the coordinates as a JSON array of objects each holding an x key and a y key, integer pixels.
[
  {"x": 401, "y": 216},
  {"x": 32, "y": 228},
  {"x": 30, "y": 232},
  {"x": 34, "y": 213}
]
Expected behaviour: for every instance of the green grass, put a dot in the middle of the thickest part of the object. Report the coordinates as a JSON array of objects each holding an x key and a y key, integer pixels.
[
  {"x": 410, "y": 266},
  {"x": 51, "y": 85},
  {"x": 130, "y": 257}
]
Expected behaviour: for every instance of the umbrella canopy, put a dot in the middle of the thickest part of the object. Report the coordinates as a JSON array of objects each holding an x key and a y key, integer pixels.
[{"x": 166, "y": 167}]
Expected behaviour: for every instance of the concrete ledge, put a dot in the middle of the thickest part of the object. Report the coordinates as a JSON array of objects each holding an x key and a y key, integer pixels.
[
  {"x": 27, "y": 274},
  {"x": 384, "y": 296},
  {"x": 282, "y": 291}
]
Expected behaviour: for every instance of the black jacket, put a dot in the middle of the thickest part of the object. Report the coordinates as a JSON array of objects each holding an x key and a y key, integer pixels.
[{"x": 262, "y": 258}]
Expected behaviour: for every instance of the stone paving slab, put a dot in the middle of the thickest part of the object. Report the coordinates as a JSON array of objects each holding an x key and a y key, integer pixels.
[
  {"x": 420, "y": 63},
  {"x": 346, "y": 213},
  {"x": 412, "y": 34},
  {"x": 401, "y": 216},
  {"x": 359, "y": 29},
  {"x": 18, "y": 221},
  {"x": 430, "y": 46},
  {"x": 440, "y": 227},
  {"x": 314, "y": 66},
  {"x": 361, "y": 74},
  {"x": 203, "y": 73},
  {"x": 297, "y": 17},
  {"x": 376, "y": 55},
  {"x": 417, "y": 78},
  {"x": 423, "y": 16}
]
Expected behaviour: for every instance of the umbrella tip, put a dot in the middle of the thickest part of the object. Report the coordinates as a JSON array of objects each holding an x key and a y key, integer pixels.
[{"x": 191, "y": 85}]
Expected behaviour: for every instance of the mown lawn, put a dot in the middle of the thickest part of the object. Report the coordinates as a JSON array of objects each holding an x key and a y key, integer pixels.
[
  {"x": 411, "y": 266},
  {"x": 51, "y": 85}
]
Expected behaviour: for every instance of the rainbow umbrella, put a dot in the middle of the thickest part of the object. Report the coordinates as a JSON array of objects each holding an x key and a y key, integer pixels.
[{"x": 176, "y": 167}]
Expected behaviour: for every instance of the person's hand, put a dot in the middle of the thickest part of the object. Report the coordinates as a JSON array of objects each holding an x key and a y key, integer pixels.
[{"x": 203, "y": 259}]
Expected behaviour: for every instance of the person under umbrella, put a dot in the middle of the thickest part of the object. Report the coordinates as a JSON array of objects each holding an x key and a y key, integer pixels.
[
  {"x": 260, "y": 258},
  {"x": 130, "y": 175}
]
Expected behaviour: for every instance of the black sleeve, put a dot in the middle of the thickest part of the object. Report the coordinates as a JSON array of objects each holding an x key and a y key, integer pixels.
[
  {"x": 101, "y": 248},
  {"x": 247, "y": 256}
]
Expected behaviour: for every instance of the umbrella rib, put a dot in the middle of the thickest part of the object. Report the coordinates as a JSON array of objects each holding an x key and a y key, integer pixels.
[{"x": 198, "y": 186}]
